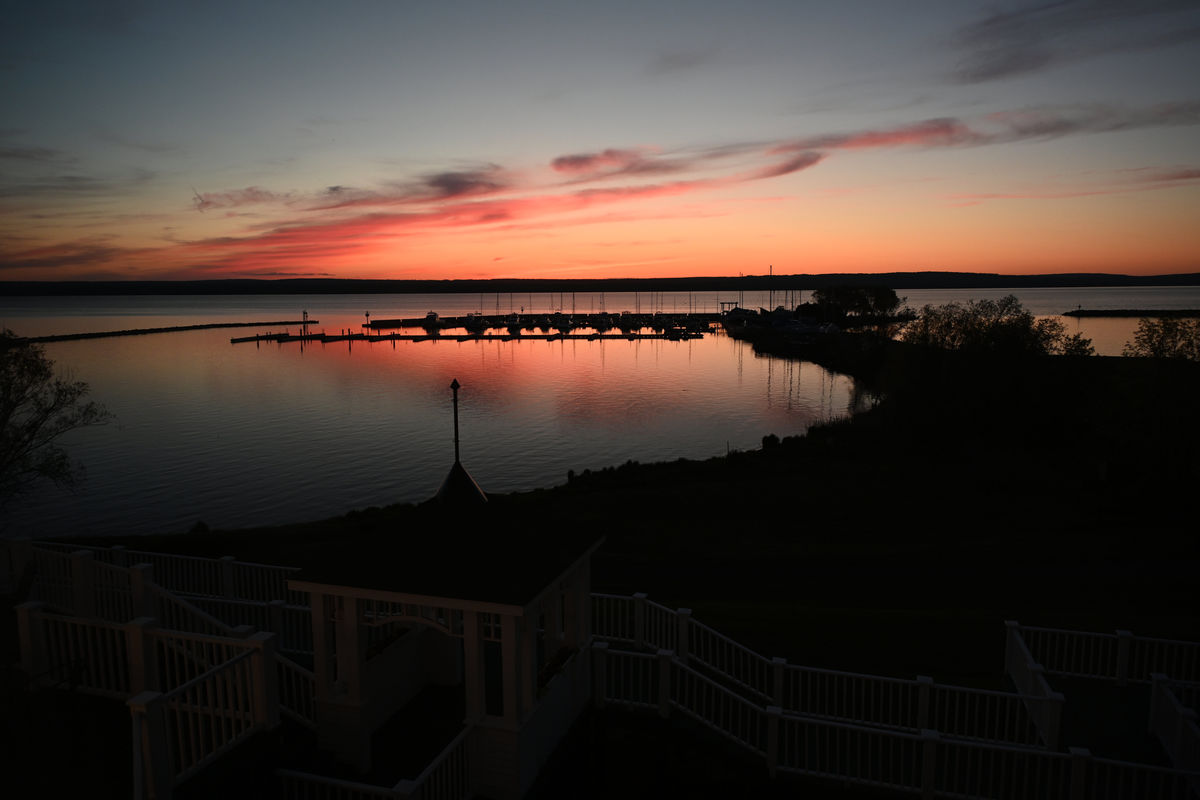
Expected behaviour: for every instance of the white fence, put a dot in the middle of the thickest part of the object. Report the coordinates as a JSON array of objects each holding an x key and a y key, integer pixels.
[
  {"x": 1029, "y": 718},
  {"x": 876, "y": 757},
  {"x": 1174, "y": 724},
  {"x": 179, "y": 732},
  {"x": 1120, "y": 656},
  {"x": 188, "y": 575}
]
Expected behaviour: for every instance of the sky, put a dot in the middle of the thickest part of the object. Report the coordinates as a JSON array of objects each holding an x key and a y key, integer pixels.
[{"x": 394, "y": 139}]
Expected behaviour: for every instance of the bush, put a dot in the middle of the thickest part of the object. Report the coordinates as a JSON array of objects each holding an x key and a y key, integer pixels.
[
  {"x": 993, "y": 326},
  {"x": 1166, "y": 338}
]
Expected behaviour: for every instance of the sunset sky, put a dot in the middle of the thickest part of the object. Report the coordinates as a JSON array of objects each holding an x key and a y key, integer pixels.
[{"x": 147, "y": 140}]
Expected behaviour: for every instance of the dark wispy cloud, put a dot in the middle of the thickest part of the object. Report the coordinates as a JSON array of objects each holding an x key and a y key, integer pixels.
[
  {"x": 1005, "y": 127},
  {"x": 615, "y": 162},
  {"x": 1036, "y": 36},
  {"x": 681, "y": 60},
  {"x": 1125, "y": 181},
  {"x": 251, "y": 195},
  {"x": 58, "y": 256},
  {"x": 40, "y": 155}
]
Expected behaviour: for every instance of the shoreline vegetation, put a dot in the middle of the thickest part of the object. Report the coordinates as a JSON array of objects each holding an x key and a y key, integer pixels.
[{"x": 895, "y": 280}]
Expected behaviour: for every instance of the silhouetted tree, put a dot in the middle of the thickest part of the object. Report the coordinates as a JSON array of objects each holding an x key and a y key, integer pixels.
[
  {"x": 1166, "y": 338},
  {"x": 995, "y": 326},
  {"x": 36, "y": 408},
  {"x": 861, "y": 301}
]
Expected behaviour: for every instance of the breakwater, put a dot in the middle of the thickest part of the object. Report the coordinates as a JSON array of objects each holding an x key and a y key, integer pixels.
[{"x": 67, "y": 337}]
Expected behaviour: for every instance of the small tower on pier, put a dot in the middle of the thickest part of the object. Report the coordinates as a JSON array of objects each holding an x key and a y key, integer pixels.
[{"x": 459, "y": 488}]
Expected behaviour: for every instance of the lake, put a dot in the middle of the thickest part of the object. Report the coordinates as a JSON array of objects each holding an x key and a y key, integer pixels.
[{"x": 244, "y": 435}]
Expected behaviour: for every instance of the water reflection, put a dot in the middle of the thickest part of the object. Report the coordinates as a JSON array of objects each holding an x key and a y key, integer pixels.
[{"x": 240, "y": 435}]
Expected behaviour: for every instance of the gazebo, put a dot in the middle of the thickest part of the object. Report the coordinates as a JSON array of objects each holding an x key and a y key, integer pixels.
[{"x": 505, "y": 614}]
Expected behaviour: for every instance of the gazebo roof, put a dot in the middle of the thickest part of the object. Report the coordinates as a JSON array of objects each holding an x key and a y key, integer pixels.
[{"x": 470, "y": 562}]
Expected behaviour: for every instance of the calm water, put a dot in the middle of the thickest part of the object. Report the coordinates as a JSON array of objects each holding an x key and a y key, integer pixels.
[{"x": 241, "y": 435}]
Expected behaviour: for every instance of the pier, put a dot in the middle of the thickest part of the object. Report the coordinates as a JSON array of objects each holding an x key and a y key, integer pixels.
[
  {"x": 324, "y": 338},
  {"x": 514, "y": 327}
]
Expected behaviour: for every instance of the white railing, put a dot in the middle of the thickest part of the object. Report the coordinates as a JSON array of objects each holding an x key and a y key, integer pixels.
[
  {"x": 987, "y": 715},
  {"x": 718, "y": 653},
  {"x": 175, "y": 613},
  {"x": 625, "y": 678},
  {"x": 296, "y": 785},
  {"x": 1120, "y": 656},
  {"x": 1176, "y": 659},
  {"x": 716, "y": 707},
  {"x": 197, "y": 575},
  {"x": 448, "y": 777},
  {"x": 209, "y": 714},
  {"x": 293, "y": 624},
  {"x": 1108, "y": 779},
  {"x": 53, "y": 583},
  {"x": 870, "y": 700},
  {"x": 979, "y": 769},
  {"x": 177, "y": 657},
  {"x": 1030, "y": 679},
  {"x": 852, "y": 754},
  {"x": 113, "y": 590},
  {"x": 615, "y": 616},
  {"x": 859, "y": 755},
  {"x": 1174, "y": 724},
  {"x": 87, "y": 655},
  {"x": 852, "y": 697},
  {"x": 297, "y": 692}
]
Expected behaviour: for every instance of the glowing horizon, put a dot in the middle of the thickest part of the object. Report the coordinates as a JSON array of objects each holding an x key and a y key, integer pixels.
[{"x": 962, "y": 140}]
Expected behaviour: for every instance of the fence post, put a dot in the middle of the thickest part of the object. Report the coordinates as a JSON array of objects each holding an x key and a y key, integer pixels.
[
  {"x": 1124, "y": 640},
  {"x": 150, "y": 741},
  {"x": 242, "y": 631},
  {"x": 664, "y": 682},
  {"x": 599, "y": 672},
  {"x": 1011, "y": 633},
  {"x": 1157, "y": 684},
  {"x": 227, "y": 588},
  {"x": 29, "y": 634},
  {"x": 929, "y": 742},
  {"x": 83, "y": 584},
  {"x": 685, "y": 624},
  {"x": 639, "y": 620},
  {"x": 1056, "y": 702},
  {"x": 924, "y": 688},
  {"x": 275, "y": 617},
  {"x": 777, "y": 667},
  {"x": 774, "y": 713},
  {"x": 140, "y": 577},
  {"x": 266, "y": 680},
  {"x": 139, "y": 654},
  {"x": 120, "y": 555},
  {"x": 1079, "y": 771}
]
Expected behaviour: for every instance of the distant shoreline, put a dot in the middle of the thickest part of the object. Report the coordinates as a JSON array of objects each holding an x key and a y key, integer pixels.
[
  {"x": 1133, "y": 312},
  {"x": 893, "y": 280}
]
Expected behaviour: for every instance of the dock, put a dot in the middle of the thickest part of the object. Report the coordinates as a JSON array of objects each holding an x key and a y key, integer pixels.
[
  {"x": 283, "y": 338},
  {"x": 555, "y": 327}
]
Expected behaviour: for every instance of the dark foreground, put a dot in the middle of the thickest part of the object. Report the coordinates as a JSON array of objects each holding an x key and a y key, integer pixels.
[{"x": 1054, "y": 491}]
